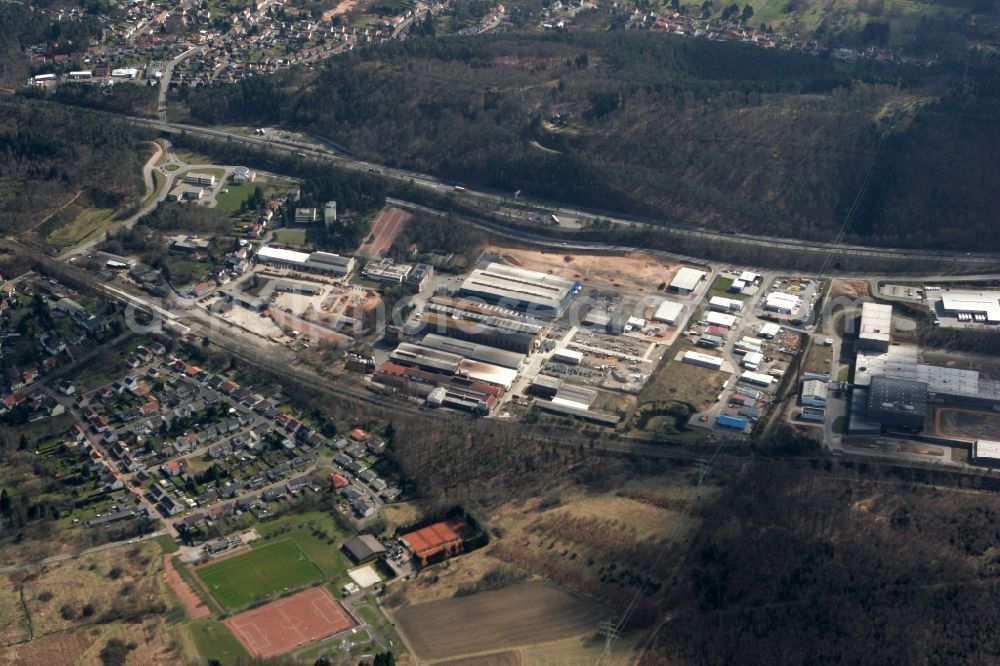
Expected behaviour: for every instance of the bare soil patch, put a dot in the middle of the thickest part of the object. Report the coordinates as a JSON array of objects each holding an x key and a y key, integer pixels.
[{"x": 517, "y": 615}]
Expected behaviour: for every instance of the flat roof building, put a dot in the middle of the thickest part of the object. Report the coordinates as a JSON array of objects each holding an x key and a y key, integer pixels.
[
  {"x": 876, "y": 327},
  {"x": 668, "y": 312},
  {"x": 972, "y": 306},
  {"x": 781, "y": 302},
  {"x": 723, "y": 304},
  {"x": 814, "y": 393},
  {"x": 720, "y": 319},
  {"x": 686, "y": 280},
  {"x": 897, "y": 404},
  {"x": 540, "y": 294},
  {"x": 986, "y": 451},
  {"x": 315, "y": 262},
  {"x": 204, "y": 179},
  {"x": 305, "y": 215},
  {"x": 702, "y": 360},
  {"x": 387, "y": 271}
]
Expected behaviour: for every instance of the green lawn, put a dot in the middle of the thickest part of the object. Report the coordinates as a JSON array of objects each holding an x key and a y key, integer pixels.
[
  {"x": 159, "y": 180},
  {"x": 235, "y": 196},
  {"x": 290, "y": 236},
  {"x": 312, "y": 532},
  {"x": 215, "y": 641},
  {"x": 265, "y": 570},
  {"x": 167, "y": 544}
]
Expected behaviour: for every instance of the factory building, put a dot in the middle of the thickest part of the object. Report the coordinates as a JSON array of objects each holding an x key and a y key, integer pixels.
[
  {"x": 329, "y": 213},
  {"x": 316, "y": 262},
  {"x": 986, "y": 452},
  {"x": 539, "y": 294},
  {"x": 702, "y": 360},
  {"x": 756, "y": 379},
  {"x": 781, "y": 302},
  {"x": 720, "y": 319},
  {"x": 897, "y": 404},
  {"x": 686, "y": 280},
  {"x": 769, "y": 331},
  {"x": 723, "y": 304},
  {"x": 814, "y": 393},
  {"x": 875, "y": 328},
  {"x": 974, "y": 307},
  {"x": 668, "y": 312},
  {"x": 471, "y": 350},
  {"x": 570, "y": 356},
  {"x": 492, "y": 331}
]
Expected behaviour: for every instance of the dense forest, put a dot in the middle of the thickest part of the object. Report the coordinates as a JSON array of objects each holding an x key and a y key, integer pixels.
[
  {"x": 727, "y": 136},
  {"x": 49, "y": 155},
  {"x": 821, "y": 566}
]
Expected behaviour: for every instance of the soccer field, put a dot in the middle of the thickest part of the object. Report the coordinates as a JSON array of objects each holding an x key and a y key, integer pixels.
[{"x": 238, "y": 581}]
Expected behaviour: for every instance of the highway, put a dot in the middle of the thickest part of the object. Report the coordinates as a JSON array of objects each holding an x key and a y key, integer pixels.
[{"x": 529, "y": 208}]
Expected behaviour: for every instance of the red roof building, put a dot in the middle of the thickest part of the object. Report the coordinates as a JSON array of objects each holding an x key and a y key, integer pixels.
[{"x": 444, "y": 538}]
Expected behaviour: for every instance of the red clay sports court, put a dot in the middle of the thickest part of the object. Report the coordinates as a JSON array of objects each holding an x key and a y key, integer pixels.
[
  {"x": 283, "y": 625},
  {"x": 387, "y": 226}
]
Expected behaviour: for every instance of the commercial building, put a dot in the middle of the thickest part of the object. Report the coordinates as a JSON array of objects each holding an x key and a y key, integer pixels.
[
  {"x": 438, "y": 541},
  {"x": 736, "y": 422},
  {"x": 184, "y": 244},
  {"x": 564, "y": 409},
  {"x": 386, "y": 271},
  {"x": 985, "y": 451},
  {"x": 897, "y": 404},
  {"x": 363, "y": 548},
  {"x": 539, "y": 294},
  {"x": 305, "y": 215},
  {"x": 84, "y": 74},
  {"x": 702, "y": 360},
  {"x": 125, "y": 73},
  {"x": 570, "y": 356},
  {"x": 756, "y": 379},
  {"x": 203, "y": 179},
  {"x": 185, "y": 193},
  {"x": 769, "y": 331},
  {"x": 686, "y": 280},
  {"x": 316, "y": 262},
  {"x": 980, "y": 307},
  {"x": 781, "y": 302},
  {"x": 418, "y": 277},
  {"x": 242, "y": 175},
  {"x": 720, "y": 319},
  {"x": 814, "y": 393},
  {"x": 723, "y": 304},
  {"x": 752, "y": 360},
  {"x": 710, "y": 340},
  {"x": 876, "y": 327},
  {"x": 668, "y": 312}
]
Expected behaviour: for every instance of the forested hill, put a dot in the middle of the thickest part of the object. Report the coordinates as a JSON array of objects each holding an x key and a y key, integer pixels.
[
  {"x": 49, "y": 154},
  {"x": 728, "y": 136}
]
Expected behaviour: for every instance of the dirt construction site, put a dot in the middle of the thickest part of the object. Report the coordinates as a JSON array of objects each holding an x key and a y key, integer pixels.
[{"x": 633, "y": 272}]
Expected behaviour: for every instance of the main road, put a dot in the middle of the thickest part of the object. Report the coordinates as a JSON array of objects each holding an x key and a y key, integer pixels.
[{"x": 529, "y": 208}]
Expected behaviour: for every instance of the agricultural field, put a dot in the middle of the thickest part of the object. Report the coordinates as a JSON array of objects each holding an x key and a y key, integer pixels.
[
  {"x": 522, "y": 614},
  {"x": 266, "y": 570}
]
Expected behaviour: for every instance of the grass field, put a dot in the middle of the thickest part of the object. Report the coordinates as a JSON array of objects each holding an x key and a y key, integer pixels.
[
  {"x": 192, "y": 157},
  {"x": 684, "y": 382},
  {"x": 13, "y": 621},
  {"x": 88, "y": 222},
  {"x": 234, "y": 196},
  {"x": 290, "y": 236},
  {"x": 313, "y": 532},
  {"x": 159, "y": 180},
  {"x": 167, "y": 544},
  {"x": 517, "y": 615},
  {"x": 214, "y": 641},
  {"x": 271, "y": 568}
]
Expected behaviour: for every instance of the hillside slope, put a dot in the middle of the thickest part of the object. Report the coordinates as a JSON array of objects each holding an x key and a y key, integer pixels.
[{"x": 722, "y": 135}]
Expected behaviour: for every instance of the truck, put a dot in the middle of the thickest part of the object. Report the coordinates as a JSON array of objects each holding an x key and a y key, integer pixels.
[{"x": 555, "y": 220}]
